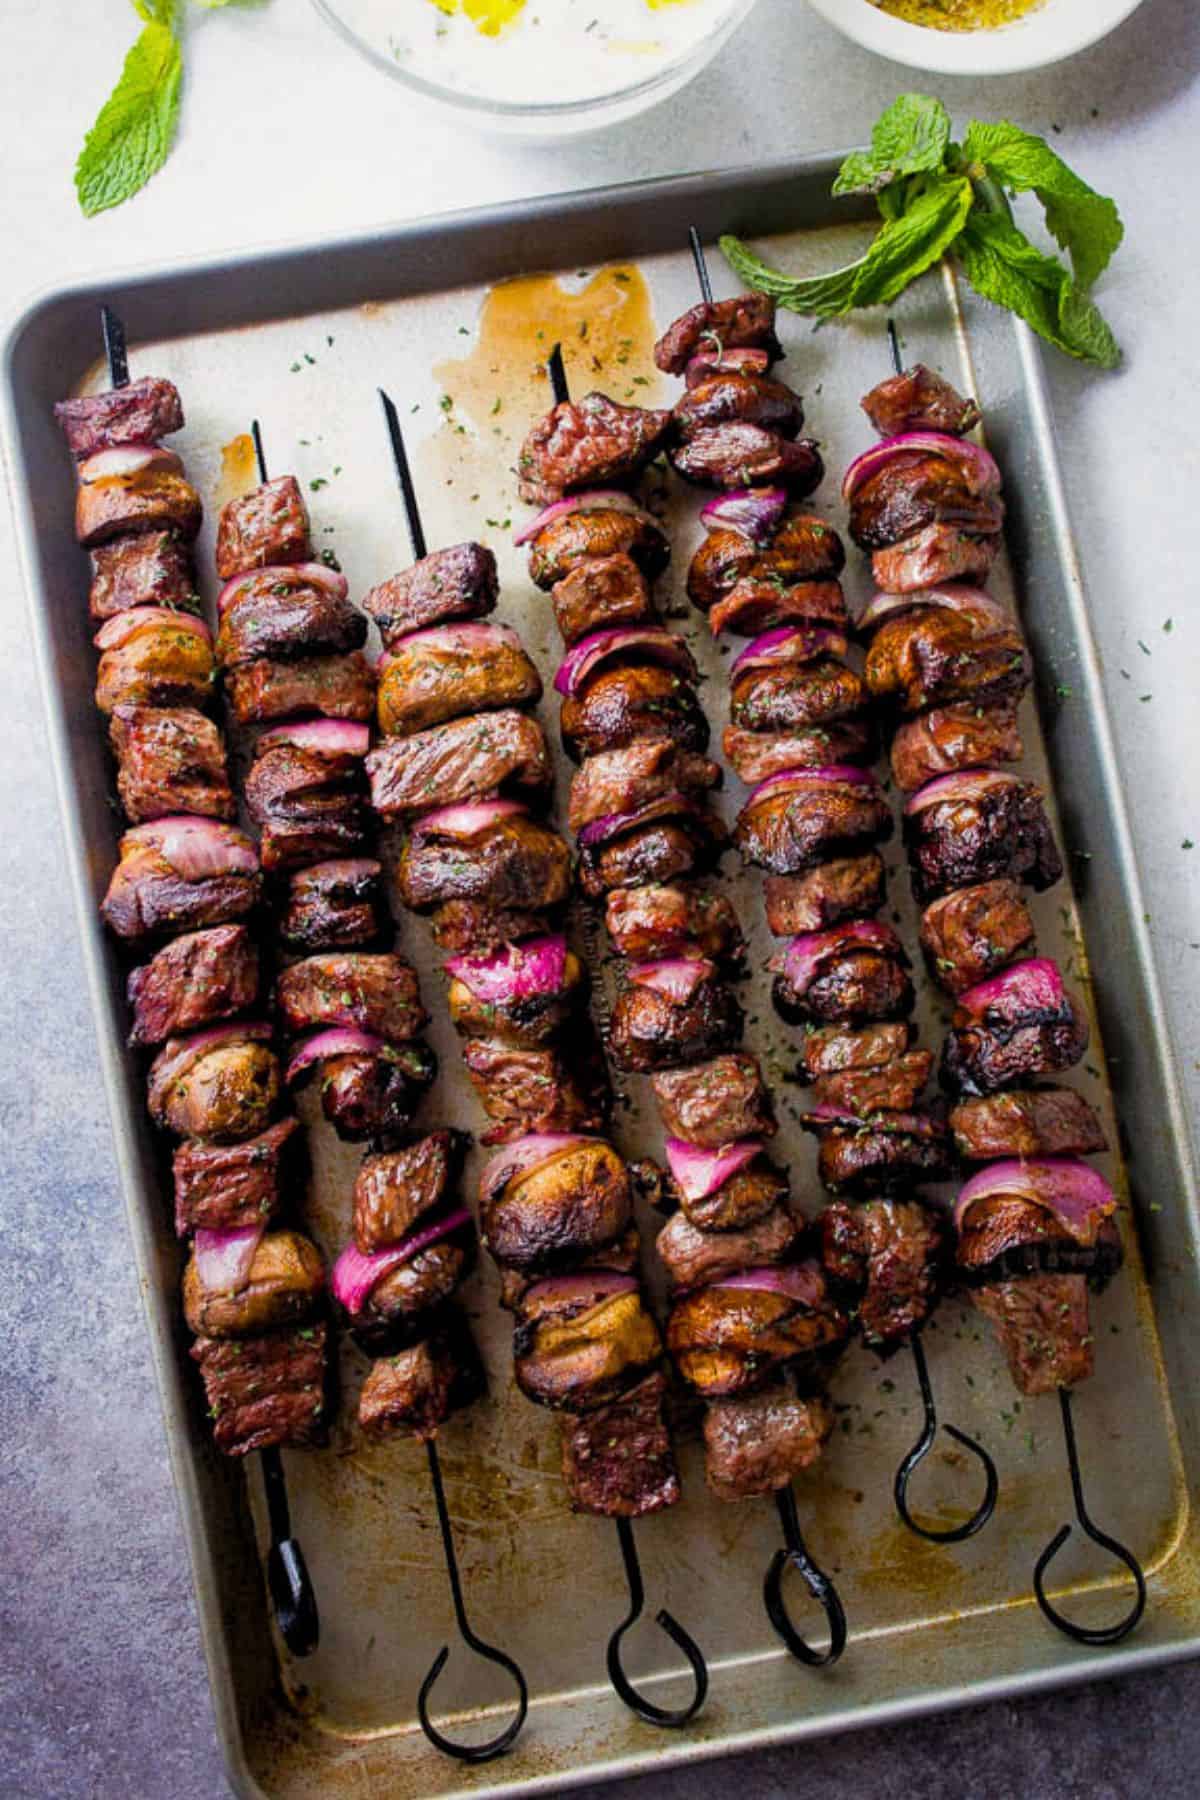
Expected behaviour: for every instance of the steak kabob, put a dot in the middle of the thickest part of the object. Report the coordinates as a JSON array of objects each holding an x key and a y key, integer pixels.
[
  {"x": 1035, "y": 1224},
  {"x": 752, "y": 1326},
  {"x": 461, "y": 768},
  {"x": 290, "y": 649},
  {"x": 802, "y": 732},
  {"x": 183, "y": 900}
]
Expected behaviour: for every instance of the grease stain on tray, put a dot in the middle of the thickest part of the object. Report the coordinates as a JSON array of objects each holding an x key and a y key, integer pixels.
[{"x": 239, "y": 470}]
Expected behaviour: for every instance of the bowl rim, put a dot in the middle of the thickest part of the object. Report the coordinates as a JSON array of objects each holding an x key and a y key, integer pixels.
[
  {"x": 738, "y": 11},
  {"x": 1009, "y": 50}
]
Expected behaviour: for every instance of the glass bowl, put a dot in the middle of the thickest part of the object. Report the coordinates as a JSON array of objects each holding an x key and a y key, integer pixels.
[{"x": 603, "y": 61}]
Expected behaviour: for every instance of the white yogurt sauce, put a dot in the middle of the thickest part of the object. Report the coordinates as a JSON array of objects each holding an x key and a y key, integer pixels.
[{"x": 549, "y": 50}]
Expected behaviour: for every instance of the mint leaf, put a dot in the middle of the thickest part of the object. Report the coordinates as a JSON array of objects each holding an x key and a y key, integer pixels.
[
  {"x": 1003, "y": 266},
  {"x": 157, "y": 12},
  {"x": 822, "y": 296},
  {"x": 910, "y": 138},
  {"x": 134, "y": 131},
  {"x": 1086, "y": 224}
]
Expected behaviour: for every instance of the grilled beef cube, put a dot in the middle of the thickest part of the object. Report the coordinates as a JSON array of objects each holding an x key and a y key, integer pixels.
[
  {"x": 617, "y": 1459},
  {"x": 516, "y": 864},
  {"x": 263, "y": 528},
  {"x": 650, "y": 922},
  {"x": 740, "y": 455},
  {"x": 937, "y": 654},
  {"x": 803, "y": 549},
  {"x": 336, "y": 905},
  {"x": 288, "y": 620},
  {"x": 266, "y": 1390},
  {"x": 745, "y": 1197},
  {"x": 462, "y": 926},
  {"x": 376, "y": 992},
  {"x": 963, "y": 735},
  {"x": 366, "y": 1097},
  {"x": 156, "y": 497},
  {"x": 930, "y": 557},
  {"x": 161, "y": 885},
  {"x": 756, "y": 1444},
  {"x": 1044, "y": 1326},
  {"x": 450, "y": 671},
  {"x": 887, "y": 1153},
  {"x": 1019, "y": 1025},
  {"x": 1039, "y": 1121},
  {"x": 194, "y": 980},
  {"x": 974, "y": 932},
  {"x": 794, "y": 825},
  {"x": 580, "y": 537},
  {"x": 719, "y": 564},
  {"x": 456, "y": 583},
  {"x": 223, "y": 1085},
  {"x": 416, "y": 1390},
  {"x": 796, "y": 696},
  {"x": 229, "y": 1187},
  {"x": 169, "y": 760},
  {"x": 141, "y": 412},
  {"x": 730, "y": 1340},
  {"x": 461, "y": 760},
  {"x": 919, "y": 400},
  {"x": 403, "y": 1307},
  {"x": 693, "y": 1257},
  {"x": 284, "y": 1287},
  {"x": 846, "y": 887},
  {"x": 525, "y": 1021},
  {"x": 892, "y": 1086},
  {"x": 745, "y": 322},
  {"x": 834, "y": 1049},
  {"x": 553, "y": 1088},
  {"x": 626, "y": 780},
  {"x": 757, "y": 604},
  {"x": 849, "y": 975},
  {"x": 573, "y": 1202},
  {"x": 153, "y": 569},
  {"x": 395, "y": 1188},
  {"x": 602, "y": 592},
  {"x": 906, "y": 496},
  {"x": 591, "y": 443},
  {"x": 652, "y": 1031},
  {"x": 620, "y": 706},
  {"x": 309, "y": 804},
  {"x": 757, "y": 755},
  {"x": 333, "y": 687},
  {"x": 656, "y": 853},
  {"x": 714, "y": 1103},
  {"x": 1008, "y": 1232},
  {"x": 153, "y": 657},
  {"x": 583, "y": 1341},
  {"x": 725, "y": 397},
  {"x": 979, "y": 826},
  {"x": 889, "y": 1256}
]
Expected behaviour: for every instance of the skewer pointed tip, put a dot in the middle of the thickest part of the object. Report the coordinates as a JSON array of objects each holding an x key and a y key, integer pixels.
[
  {"x": 259, "y": 453},
  {"x": 701, "y": 263},
  {"x": 412, "y": 508}
]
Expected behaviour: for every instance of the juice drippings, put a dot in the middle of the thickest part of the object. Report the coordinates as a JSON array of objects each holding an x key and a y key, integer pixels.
[{"x": 239, "y": 469}]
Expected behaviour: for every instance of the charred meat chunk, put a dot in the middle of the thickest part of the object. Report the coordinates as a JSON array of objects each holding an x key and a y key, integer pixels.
[
  {"x": 1037, "y": 1121},
  {"x": 583, "y": 1340},
  {"x": 590, "y": 443},
  {"x": 336, "y": 905},
  {"x": 460, "y": 760},
  {"x": 893, "y": 1086},
  {"x": 395, "y": 1188},
  {"x": 309, "y": 803},
  {"x": 621, "y": 1257},
  {"x": 277, "y": 616},
  {"x": 732, "y": 395},
  {"x": 758, "y": 755},
  {"x": 376, "y": 992},
  {"x": 573, "y": 1201},
  {"x": 599, "y": 593},
  {"x": 654, "y": 853},
  {"x": 914, "y": 492},
  {"x": 886, "y": 1153},
  {"x": 980, "y": 825},
  {"x": 154, "y": 657},
  {"x": 578, "y": 537},
  {"x": 230, "y": 1187},
  {"x": 478, "y": 925},
  {"x": 284, "y": 1286},
  {"x": 889, "y": 1257},
  {"x": 1044, "y": 1326},
  {"x": 516, "y": 864},
  {"x": 845, "y": 887},
  {"x": 169, "y": 760},
  {"x": 620, "y": 706},
  {"x": 757, "y": 1443},
  {"x": 795, "y": 697},
  {"x": 150, "y": 493},
  {"x": 195, "y": 980},
  {"x": 139, "y": 413},
  {"x": 803, "y": 549},
  {"x": 918, "y": 399},
  {"x": 934, "y": 654},
  {"x": 152, "y": 569},
  {"x": 263, "y": 528},
  {"x": 756, "y": 604},
  {"x": 617, "y": 1459},
  {"x": 561, "y": 1087},
  {"x": 222, "y": 1084},
  {"x": 617, "y": 783},
  {"x": 652, "y": 1030},
  {"x": 1011, "y": 1028},
  {"x": 181, "y": 874},
  {"x": 521, "y": 1019},
  {"x": 651, "y": 922},
  {"x": 835, "y": 1049},
  {"x": 693, "y": 1257},
  {"x": 449, "y": 671},
  {"x": 403, "y": 1307},
  {"x": 849, "y": 975},
  {"x": 265, "y": 1390},
  {"x": 740, "y": 455},
  {"x": 333, "y": 687},
  {"x": 745, "y": 1197},
  {"x": 416, "y": 1390},
  {"x": 729, "y": 1339},
  {"x": 366, "y": 1095},
  {"x": 963, "y": 735},
  {"x": 974, "y": 932},
  {"x": 932, "y": 556},
  {"x": 745, "y": 322},
  {"x": 456, "y": 583},
  {"x": 714, "y": 1103},
  {"x": 799, "y": 819}
]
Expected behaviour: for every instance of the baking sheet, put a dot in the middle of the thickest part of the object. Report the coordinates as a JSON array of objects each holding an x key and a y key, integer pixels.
[{"x": 301, "y": 340}]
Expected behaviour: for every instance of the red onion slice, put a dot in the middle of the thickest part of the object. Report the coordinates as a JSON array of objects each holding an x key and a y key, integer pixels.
[
  {"x": 1075, "y": 1193},
  {"x": 599, "y": 647},
  {"x": 196, "y": 848},
  {"x": 124, "y": 625},
  {"x": 698, "y": 1173},
  {"x": 754, "y": 513},
  {"x": 598, "y": 831},
  {"x": 128, "y": 459},
  {"x": 963, "y": 784},
  {"x": 355, "y": 1275},
  {"x": 978, "y": 468},
  {"x": 831, "y": 775},
  {"x": 795, "y": 1281},
  {"x": 338, "y": 1040},
  {"x": 595, "y": 500},
  {"x": 677, "y": 977},
  {"x": 1033, "y": 986},
  {"x": 289, "y": 577},
  {"x": 526, "y": 1153},
  {"x": 468, "y": 820},
  {"x": 789, "y": 643},
  {"x": 807, "y": 954},
  {"x": 955, "y": 596},
  {"x": 589, "y": 1286},
  {"x": 516, "y": 972},
  {"x": 224, "y": 1258},
  {"x": 716, "y": 361},
  {"x": 345, "y": 737}
]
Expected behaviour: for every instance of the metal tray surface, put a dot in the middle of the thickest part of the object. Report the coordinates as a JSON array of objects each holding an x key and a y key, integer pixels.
[{"x": 301, "y": 337}]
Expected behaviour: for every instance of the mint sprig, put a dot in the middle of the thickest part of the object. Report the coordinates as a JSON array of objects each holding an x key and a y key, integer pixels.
[{"x": 939, "y": 198}]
